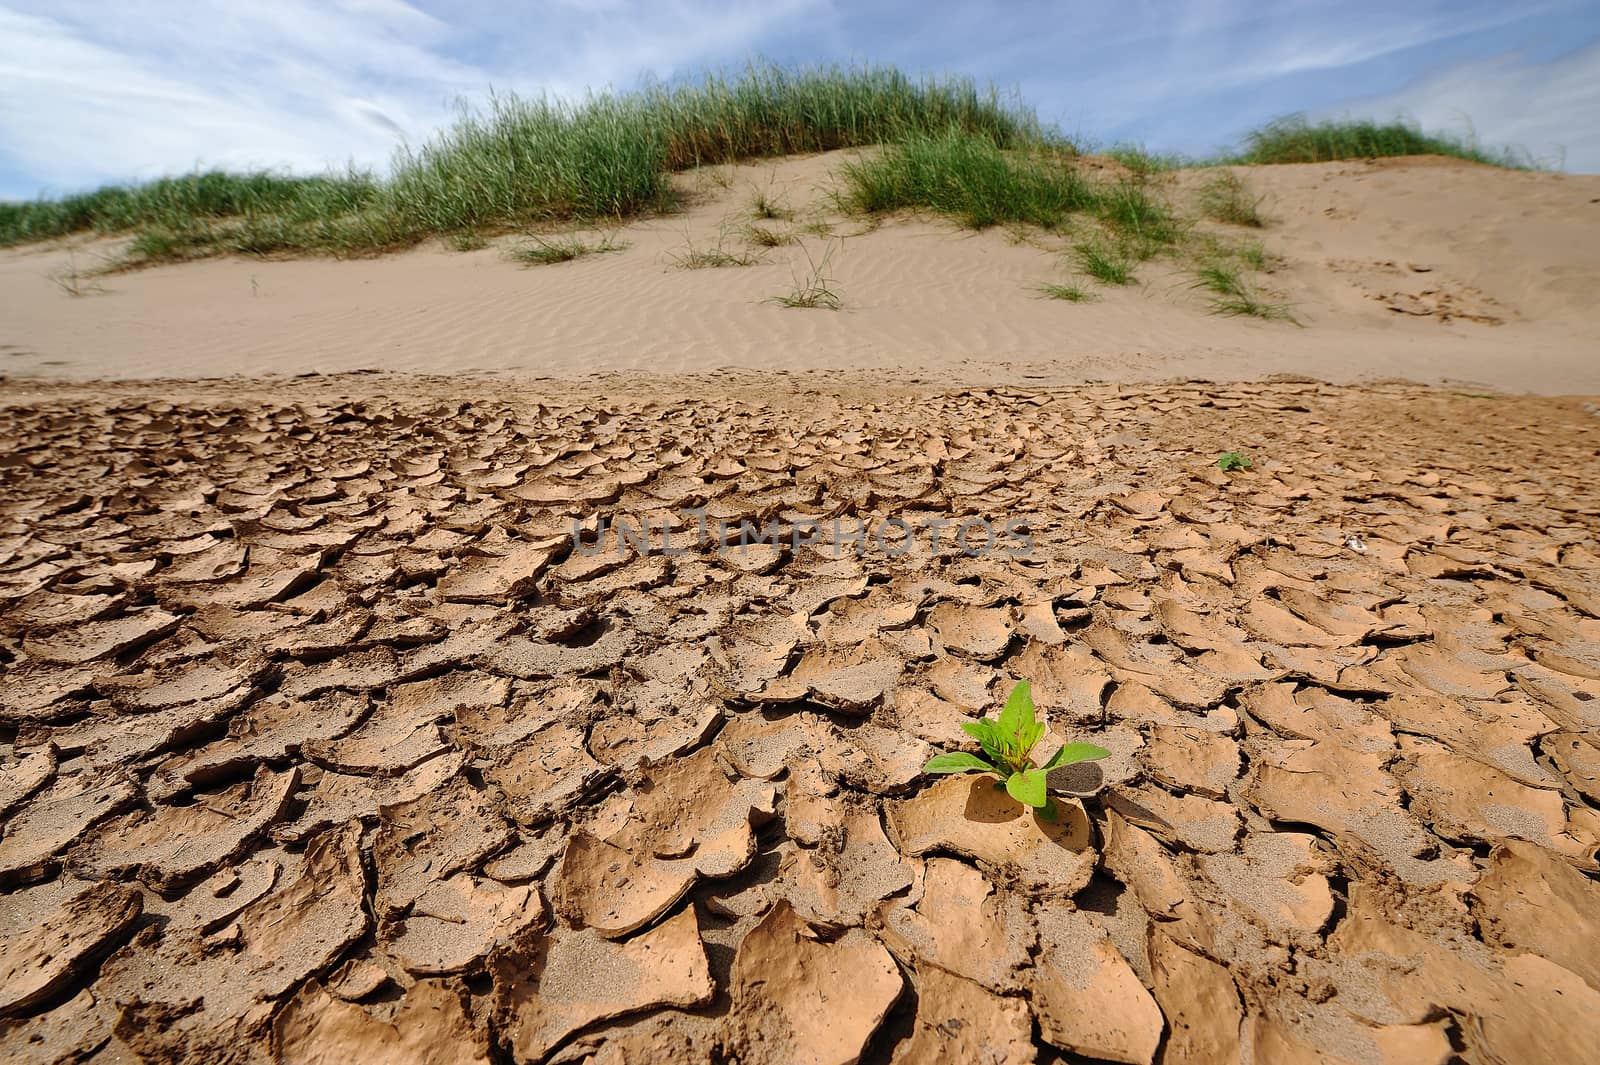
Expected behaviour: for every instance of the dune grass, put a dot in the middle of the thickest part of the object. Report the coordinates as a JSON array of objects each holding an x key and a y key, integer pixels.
[
  {"x": 1226, "y": 198},
  {"x": 1232, "y": 295},
  {"x": 1070, "y": 293},
  {"x": 547, "y": 251},
  {"x": 528, "y": 162},
  {"x": 1293, "y": 139}
]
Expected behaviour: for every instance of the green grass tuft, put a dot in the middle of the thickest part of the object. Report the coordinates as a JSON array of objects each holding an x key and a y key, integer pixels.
[
  {"x": 1231, "y": 295},
  {"x": 1226, "y": 198},
  {"x": 1105, "y": 263},
  {"x": 1070, "y": 293},
  {"x": 548, "y": 252},
  {"x": 1293, "y": 139},
  {"x": 813, "y": 290},
  {"x": 767, "y": 237}
]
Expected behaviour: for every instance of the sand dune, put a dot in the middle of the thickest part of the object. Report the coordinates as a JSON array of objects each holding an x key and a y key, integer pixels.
[{"x": 1426, "y": 269}]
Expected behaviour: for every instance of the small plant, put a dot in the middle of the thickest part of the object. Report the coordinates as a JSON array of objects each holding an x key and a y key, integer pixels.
[
  {"x": 1103, "y": 263},
  {"x": 1007, "y": 752},
  {"x": 765, "y": 237},
  {"x": 466, "y": 240},
  {"x": 1232, "y": 296},
  {"x": 1226, "y": 198},
  {"x": 1070, "y": 293},
  {"x": 766, "y": 206},
  {"x": 75, "y": 282},
  {"x": 715, "y": 257},
  {"x": 813, "y": 290},
  {"x": 562, "y": 250},
  {"x": 1232, "y": 460}
]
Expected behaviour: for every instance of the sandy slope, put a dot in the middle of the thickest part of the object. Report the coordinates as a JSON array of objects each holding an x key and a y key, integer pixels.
[
  {"x": 322, "y": 744},
  {"x": 1424, "y": 269}
]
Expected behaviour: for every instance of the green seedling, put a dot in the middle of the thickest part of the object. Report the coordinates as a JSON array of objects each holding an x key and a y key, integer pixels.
[
  {"x": 1232, "y": 460},
  {"x": 1008, "y": 752}
]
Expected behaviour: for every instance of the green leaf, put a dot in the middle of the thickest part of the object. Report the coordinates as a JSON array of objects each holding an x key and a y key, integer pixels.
[
  {"x": 981, "y": 730},
  {"x": 1076, "y": 752},
  {"x": 957, "y": 762},
  {"x": 1018, "y": 710},
  {"x": 1031, "y": 740},
  {"x": 1028, "y": 787}
]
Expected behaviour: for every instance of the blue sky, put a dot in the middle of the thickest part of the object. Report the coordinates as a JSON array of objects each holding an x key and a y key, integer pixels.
[{"x": 91, "y": 92}]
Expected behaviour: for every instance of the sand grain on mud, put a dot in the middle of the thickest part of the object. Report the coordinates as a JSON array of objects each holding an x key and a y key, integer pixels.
[{"x": 321, "y": 742}]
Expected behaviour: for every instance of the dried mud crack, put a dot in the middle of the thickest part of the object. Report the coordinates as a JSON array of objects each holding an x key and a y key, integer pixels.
[{"x": 321, "y": 740}]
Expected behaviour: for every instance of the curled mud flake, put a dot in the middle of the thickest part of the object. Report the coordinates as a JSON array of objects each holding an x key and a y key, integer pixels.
[
  {"x": 431, "y": 1025},
  {"x": 528, "y": 859},
  {"x": 1442, "y": 672},
  {"x": 55, "y": 817},
  {"x": 546, "y": 775},
  {"x": 1088, "y": 999},
  {"x": 47, "y": 611},
  {"x": 840, "y": 883},
  {"x": 362, "y": 671},
  {"x": 1278, "y": 879},
  {"x": 216, "y": 900},
  {"x": 1266, "y": 619},
  {"x": 356, "y": 979},
  {"x": 1200, "y": 1002},
  {"x": 958, "y": 1023},
  {"x": 175, "y": 845},
  {"x": 1501, "y": 733},
  {"x": 981, "y": 633},
  {"x": 962, "y": 924},
  {"x": 36, "y": 694},
  {"x": 974, "y": 817},
  {"x": 19, "y": 779},
  {"x": 761, "y": 745},
  {"x": 197, "y": 681},
  {"x": 220, "y": 560},
  {"x": 1465, "y": 800},
  {"x": 1344, "y": 792},
  {"x": 966, "y": 684},
  {"x": 754, "y": 652},
  {"x": 271, "y": 577},
  {"x": 339, "y": 797},
  {"x": 1313, "y": 713},
  {"x": 271, "y": 730},
  {"x": 687, "y": 820},
  {"x": 404, "y": 730},
  {"x": 801, "y": 1000},
  {"x": 850, "y": 680},
  {"x": 1517, "y": 1008},
  {"x": 49, "y": 934},
  {"x": 1574, "y": 753},
  {"x": 445, "y": 832},
  {"x": 94, "y": 640},
  {"x": 1193, "y": 760},
  {"x": 500, "y": 578},
  {"x": 930, "y": 718},
  {"x": 569, "y": 980},
  {"x": 77, "y": 1030},
  {"x": 453, "y": 924},
  {"x": 1191, "y": 821},
  {"x": 1530, "y": 900},
  {"x": 1278, "y": 1039},
  {"x": 1138, "y": 859},
  {"x": 1194, "y": 631},
  {"x": 532, "y": 659},
  {"x": 850, "y": 621}
]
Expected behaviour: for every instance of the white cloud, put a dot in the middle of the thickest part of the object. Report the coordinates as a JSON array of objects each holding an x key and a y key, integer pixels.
[{"x": 1546, "y": 108}]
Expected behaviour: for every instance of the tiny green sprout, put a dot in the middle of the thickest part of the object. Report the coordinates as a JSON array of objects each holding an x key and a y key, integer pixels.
[
  {"x": 1007, "y": 752},
  {"x": 1232, "y": 460}
]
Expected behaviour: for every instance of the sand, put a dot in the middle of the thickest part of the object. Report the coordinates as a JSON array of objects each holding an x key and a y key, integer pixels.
[
  {"x": 1425, "y": 269},
  {"x": 339, "y": 721}
]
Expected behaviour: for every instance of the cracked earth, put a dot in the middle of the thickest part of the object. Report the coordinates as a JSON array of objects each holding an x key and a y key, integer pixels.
[{"x": 319, "y": 742}]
